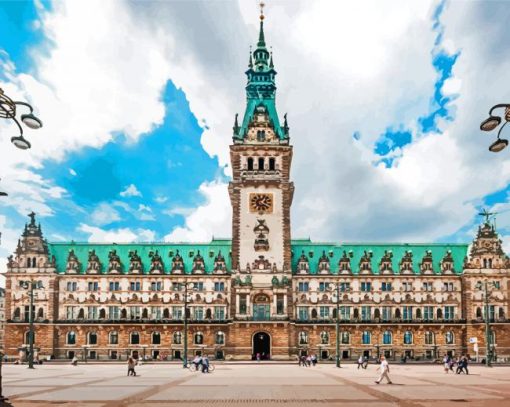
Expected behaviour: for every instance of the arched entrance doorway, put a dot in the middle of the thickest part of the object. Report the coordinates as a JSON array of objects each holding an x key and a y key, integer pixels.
[{"x": 261, "y": 345}]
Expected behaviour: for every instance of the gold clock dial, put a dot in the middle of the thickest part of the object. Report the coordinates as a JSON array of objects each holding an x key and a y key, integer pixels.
[{"x": 261, "y": 203}]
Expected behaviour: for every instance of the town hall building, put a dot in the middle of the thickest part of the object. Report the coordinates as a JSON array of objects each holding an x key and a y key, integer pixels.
[{"x": 260, "y": 292}]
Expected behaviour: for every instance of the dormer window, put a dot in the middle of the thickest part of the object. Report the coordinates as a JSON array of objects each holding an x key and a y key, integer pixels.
[{"x": 261, "y": 135}]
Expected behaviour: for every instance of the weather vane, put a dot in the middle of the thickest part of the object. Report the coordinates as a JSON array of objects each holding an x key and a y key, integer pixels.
[{"x": 262, "y": 5}]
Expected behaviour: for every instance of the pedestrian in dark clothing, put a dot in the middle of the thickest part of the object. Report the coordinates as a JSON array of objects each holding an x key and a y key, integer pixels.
[{"x": 131, "y": 366}]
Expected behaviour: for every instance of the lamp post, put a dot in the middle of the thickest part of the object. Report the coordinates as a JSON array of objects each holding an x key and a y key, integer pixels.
[
  {"x": 185, "y": 359},
  {"x": 488, "y": 352},
  {"x": 336, "y": 286},
  {"x": 144, "y": 347},
  {"x": 493, "y": 122},
  {"x": 8, "y": 111},
  {"x": 84, "y": 353},
  {"x": 31, "y": 285}
]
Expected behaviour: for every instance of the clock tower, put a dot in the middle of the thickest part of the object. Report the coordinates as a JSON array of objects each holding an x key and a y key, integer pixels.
[{"x": 260, "y": 191}]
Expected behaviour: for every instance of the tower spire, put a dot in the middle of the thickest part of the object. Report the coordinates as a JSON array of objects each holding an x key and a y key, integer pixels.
[{"x": 262, "y": 41}]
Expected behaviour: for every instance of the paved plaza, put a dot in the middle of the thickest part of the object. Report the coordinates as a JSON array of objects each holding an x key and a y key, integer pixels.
[{"x": 98, "y": 385}]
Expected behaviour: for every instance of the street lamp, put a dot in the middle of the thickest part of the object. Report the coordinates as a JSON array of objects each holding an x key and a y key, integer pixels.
[
  {"x": 485, "y": 287},
  {"x": 8, "y": 111},
  {"x": 493, "y": 122},
  {"x": 336, "y": 286},
  {"x": 31, "y": 285},
  {"x": 84, "y": 353},
  {"x": 186, "y": 287}
]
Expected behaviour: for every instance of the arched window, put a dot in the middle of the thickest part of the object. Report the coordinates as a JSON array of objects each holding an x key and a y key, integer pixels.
[
  {"x": 356, "y": 313},
  {"x": 303, "y": 338},
  {"x": 34, "y": 262},
  {"x": 123, "y": 313},
  {"x": 261, "y": 163},
  {"x": 177, "y": 338},
  {"x": 134, "y": 338},
  {"x": 208, "y": 313},
  {"x": 17, "y": 313},
  {"x": 449, "y": 338},
  {"x": 479, "y": 312},
  {"x": 418, "y": 313},
  {"x": 377, "y": 313},
  {"x": 156, "y": 338},
  {"x": 113, "y": 338},
  {"x": 198, "y": 338},
  {"x": 345, "y": 338},
  {"x": 250, "y": 164},
  {"x": 219, "y": 338},
  {"x": 429, "y": 338},
  {"x": 92, "y": 338},
  {"x": 397, "y": 313},
  {"x": 166, "y": 313},
  {"x": 366, "y": 338},
  {"x": 324, "y": 338},
  {"x": 272, "y": 164},
  {"x": 40, "y": 313},
  {"x": 439, "y": 313},
  {"x": 408, "y": 338},
  {"x": 27, "y": 337},
  {"x": 29, "y": 262},
  {"x": 314, "y": 313},
  {"x": 145, "y": 313},
  {"x": 81, "y": 313},
  {"x": 71, "y": 338},
  {"x": 387, "y": 338}
]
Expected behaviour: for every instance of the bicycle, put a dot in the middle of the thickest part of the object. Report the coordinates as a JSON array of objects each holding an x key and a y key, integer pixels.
[{"x": 196, "y": 368}]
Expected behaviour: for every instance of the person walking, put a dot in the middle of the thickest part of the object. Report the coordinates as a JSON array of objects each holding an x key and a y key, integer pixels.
[
  {"x": 197, "y": 361},
  {"x": 314, "y": 359},
  {"x": 365, "y": 362},
  {"x": 360, "y": 362},
  {"x": 74, "y": 361},
  {"x": 131, "y": 366},
  {"x": 385, "y": 370},
  {"x": 446, "y": 364},
  {"x": 465, "y": 362},
  {"x": 205, "y": 364}
]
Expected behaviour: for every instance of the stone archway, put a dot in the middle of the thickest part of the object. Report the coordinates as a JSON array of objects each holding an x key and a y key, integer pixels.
[{"x": 261, "y": 344}]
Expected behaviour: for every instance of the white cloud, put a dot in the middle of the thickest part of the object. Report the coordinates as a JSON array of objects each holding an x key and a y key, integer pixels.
[
  {"x": 105, "y": 214},
  {"x": 99, "y": 235},
  {"x": 131, "y": 190},
  {"x": 161, "y": 199},
  {"x": 145, "y": 208},
  {"x": 213, "y": 218},
  {"x": 178, "y": 210},
  {"x": 72, "y": 172}
]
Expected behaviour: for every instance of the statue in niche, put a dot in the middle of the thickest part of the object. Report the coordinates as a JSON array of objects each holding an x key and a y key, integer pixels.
[
  {"x": 114, "y": 263},
  {"x": 72, "y": 262},
  {"x": 93, "y": 264},
  {"x": 156, "y": 262},
  {"x": 135, "y": 261}
]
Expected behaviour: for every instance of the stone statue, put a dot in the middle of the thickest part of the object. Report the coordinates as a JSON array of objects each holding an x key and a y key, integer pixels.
[
  {"x": 135, "y": 262},
  {"x": 72, "y": 262},
  {"x": 93, "y": 265},
  {"x": 114, "y": 261},
  {"x": 156, "y": 262}
]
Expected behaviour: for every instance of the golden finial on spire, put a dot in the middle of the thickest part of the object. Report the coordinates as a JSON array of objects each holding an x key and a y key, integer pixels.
[{"x": 262, "y": 5}]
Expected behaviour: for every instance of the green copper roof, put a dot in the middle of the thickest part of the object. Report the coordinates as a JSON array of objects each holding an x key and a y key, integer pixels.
[
  {"x": 334, "y": 252},
  {"x": 313, "y": 251},
  {"x": 187, "y": 250}
]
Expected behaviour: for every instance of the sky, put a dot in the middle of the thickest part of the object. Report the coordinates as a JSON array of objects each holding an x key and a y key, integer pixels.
[{"x": 384, "y": 102}]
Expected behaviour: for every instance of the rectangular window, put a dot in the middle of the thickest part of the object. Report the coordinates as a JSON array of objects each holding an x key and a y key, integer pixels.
[
  {"x": 365, "y": 313},
  {"x": 386, "y": 313},
  {"x": 114, "y": 286},
  {"x": 345, "y": 313},
  {"x": 303, "y": 286},
  {"x": 177, "y": 313},
  {"x": 345, "y": 287},
  {"x": 219, "y": 286},
  {"x": 323, "y": 286},
  {"x": 407, "y": 313},
  {"x": 449, "y": 312},
  {"x": 385, "y": 286},
  {"x": 92, "y": 313},
  {"x": 242, "y": 304},
  {"x": 198, "y": 313},
  {"x": 72, "y": 286},
  {"x": 407, "y": 286},
  {"x": 427, "y": 286},
  {"x": 324, "y": 312},
  {"x": 280, "y": 304},
  {"x": 428, "y": 313},
  {"x": 93, "y": 286},
  {"x": 303, "y": 313},
  {"x": 114, "y": 313},
  {"x": 135, "y": 286},
  {"x": 71, "y": 312},
  {"x": 156, "y": 313},
  {"x": 198, "y": 286},
  {"x": 134, "y": 313},
  {"x": 156, "y": 286},
  {"x": 366, "y": 286},
  {"x": 219, "y": 313},
  {"x": 496, "y": 285}
]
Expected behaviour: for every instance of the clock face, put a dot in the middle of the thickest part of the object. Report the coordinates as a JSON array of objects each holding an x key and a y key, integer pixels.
[{"x": 261, "y": 203}]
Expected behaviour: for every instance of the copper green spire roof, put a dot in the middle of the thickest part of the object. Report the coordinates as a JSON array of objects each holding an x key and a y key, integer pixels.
[{"x": 260, "y": 89}]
